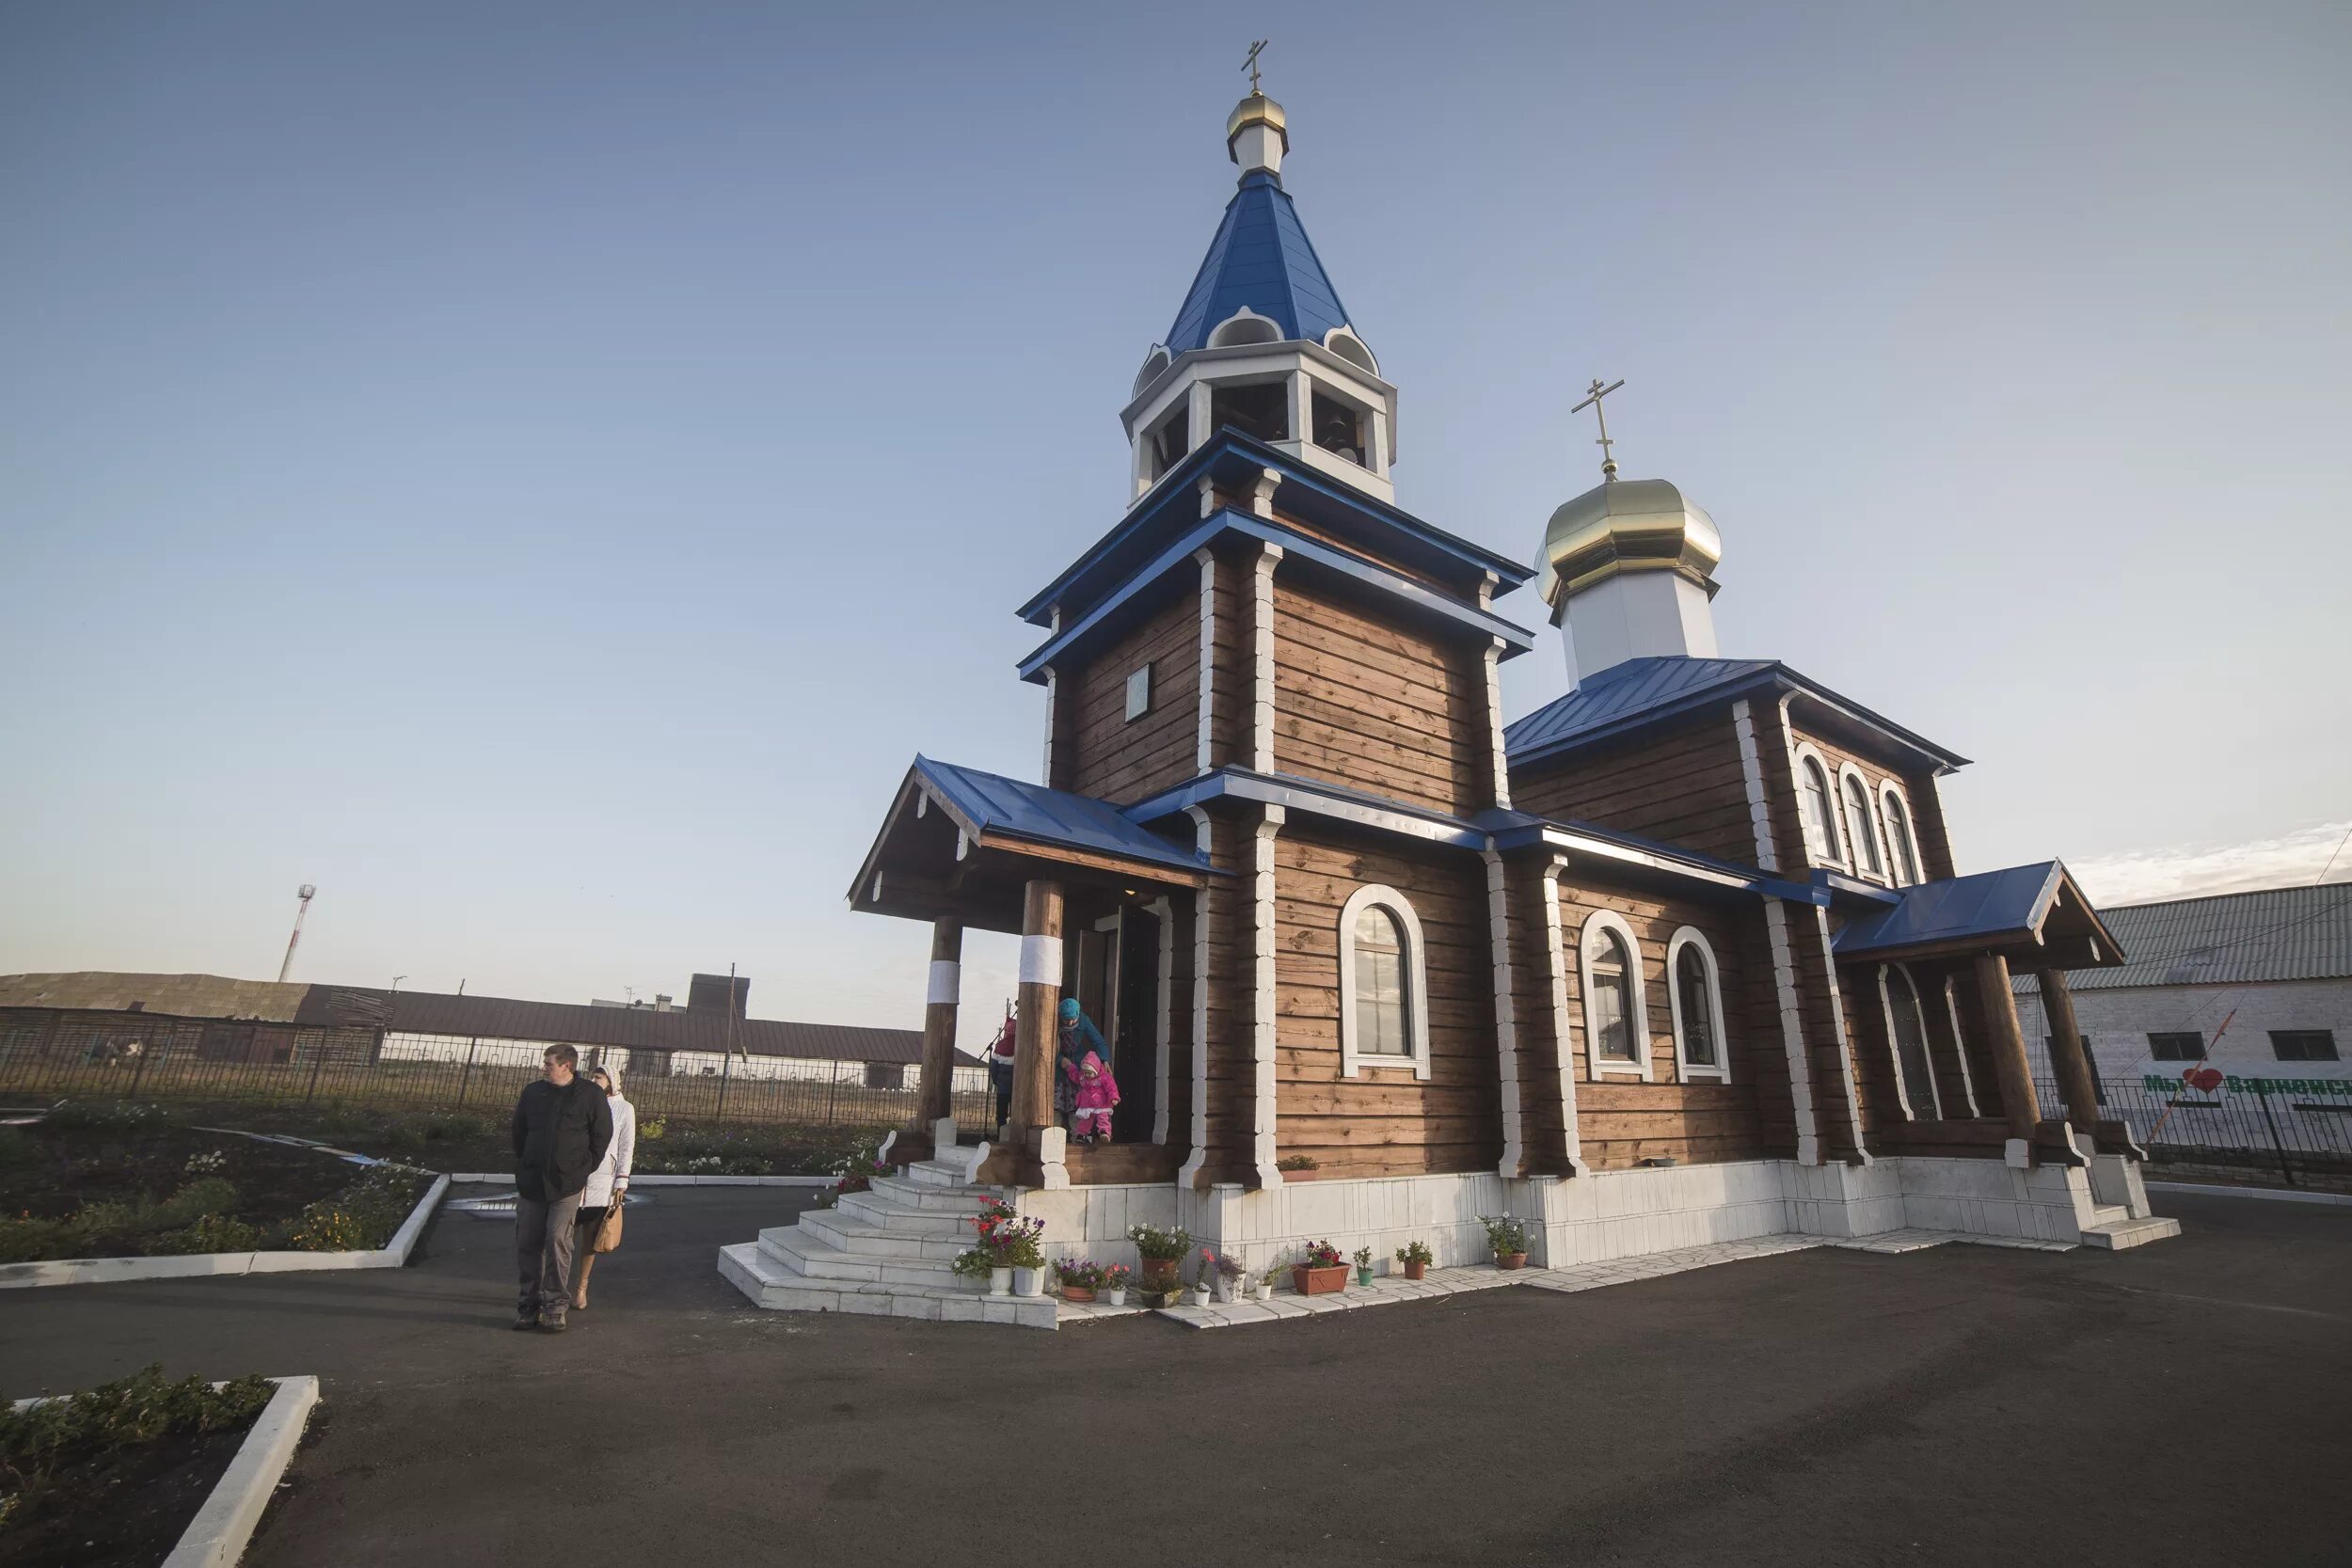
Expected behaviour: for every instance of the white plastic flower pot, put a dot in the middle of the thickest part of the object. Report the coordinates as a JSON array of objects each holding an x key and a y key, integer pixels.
[
  {"x": 1119, "y": 1295},
  {"x": 1264, "y": 1291},
  {"x": 1000, "y": 1282},
  {"x": 1029, "y": 1282}
]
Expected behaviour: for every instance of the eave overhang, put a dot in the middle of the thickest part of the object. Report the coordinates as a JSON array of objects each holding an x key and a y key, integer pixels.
[{"x": 2033, "y": 915}]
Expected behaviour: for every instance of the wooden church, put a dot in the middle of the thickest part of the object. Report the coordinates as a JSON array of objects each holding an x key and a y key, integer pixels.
[{"x": 1682, "y": 956}]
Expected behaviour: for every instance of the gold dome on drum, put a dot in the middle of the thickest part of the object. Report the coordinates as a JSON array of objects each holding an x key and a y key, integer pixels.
[
  {"x": 1256, "y": 109},
  {"x": 1626, "y": 525}
]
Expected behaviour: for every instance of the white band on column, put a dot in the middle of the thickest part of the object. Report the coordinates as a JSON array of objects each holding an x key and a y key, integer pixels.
[
  {"x": 945, "y": 987},
  {"x": 1041, "y": 960}
]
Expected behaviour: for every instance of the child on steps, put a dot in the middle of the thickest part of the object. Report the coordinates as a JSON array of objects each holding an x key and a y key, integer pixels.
[{"x": 1096, "y": 1092}]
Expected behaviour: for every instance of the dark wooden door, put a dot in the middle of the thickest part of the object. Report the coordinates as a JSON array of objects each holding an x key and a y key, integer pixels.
[{"x": 1136, "y": 1056}]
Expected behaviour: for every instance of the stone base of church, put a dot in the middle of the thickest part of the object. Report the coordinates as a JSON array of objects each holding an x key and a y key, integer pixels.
[{"x": 1609, "y": 1215}]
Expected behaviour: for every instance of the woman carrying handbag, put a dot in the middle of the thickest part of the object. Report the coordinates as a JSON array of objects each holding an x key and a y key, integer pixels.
[{"x": 601, "y": 1201}]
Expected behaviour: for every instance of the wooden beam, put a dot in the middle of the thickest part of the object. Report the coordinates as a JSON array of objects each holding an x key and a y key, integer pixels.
[
  {"x": 2018, "y": 1105},
  {"x": 2067, "y": 1053},
  {"x": 932, "y": 1098},
  {"x": 1140, "y": 871},
  {"x": 1040, "y": 998}
]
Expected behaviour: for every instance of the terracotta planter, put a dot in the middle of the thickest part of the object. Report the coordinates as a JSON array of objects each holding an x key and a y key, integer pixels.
[
  {"x": 1076, "y": 1293},
  {"x": 1510, "y": 1260},
  {"x": 1319, "y": 1282},
  {"x": 1157, "y": 1274},
  {"x": 1414, "y": 1271}
]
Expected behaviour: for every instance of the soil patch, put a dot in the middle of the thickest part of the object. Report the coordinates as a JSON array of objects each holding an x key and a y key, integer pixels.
[{"x": 122, "y": 1508}]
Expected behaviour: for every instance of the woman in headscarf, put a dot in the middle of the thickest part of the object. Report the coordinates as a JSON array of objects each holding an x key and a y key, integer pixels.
[
  {"x": 608, "y": 1184},
  {"x": 1078, "y": 1036}
]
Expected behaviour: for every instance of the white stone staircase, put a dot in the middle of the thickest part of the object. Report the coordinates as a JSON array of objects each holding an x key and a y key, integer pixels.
[
  {"x": 884, "y": 1252},
  {"x": 2112, "y": 1226}
]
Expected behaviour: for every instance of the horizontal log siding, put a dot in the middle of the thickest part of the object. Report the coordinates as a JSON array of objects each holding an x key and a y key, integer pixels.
[
  {"x": 1385, "y": 1122},
  {"x": 1624, "y": 1121},
  {"x": 1682, "y": 785},
  {"x": 1116, "y": 758},
  {"x": 1918, "y": 787},
  {"x": 1375, "y": 706},
  {"x": 1230, "y": 1072}
]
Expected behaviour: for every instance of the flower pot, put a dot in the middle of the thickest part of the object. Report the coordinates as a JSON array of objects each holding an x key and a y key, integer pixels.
[
  {"x": 1158, "y": 1273},
  {"x": 1000, "y": 1282},
  {"x": 1119, "y": 1295},
  {"x": 1029, "y": 1282},
  {"x": 1224, "y": 1289},
  {"x": 1415, "y": 1271},
  {"x": 1319, "y": 1282},
  {"x": 1076, "y": 1293},
  {"x": 1363, "y": 1273},
  {"x": 1510, "y": 1260},
  {"x": 1264, "y": 1289}
]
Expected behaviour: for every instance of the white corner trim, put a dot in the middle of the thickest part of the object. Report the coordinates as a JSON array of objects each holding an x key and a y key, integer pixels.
[
  {"x": 1844, "y": 1031},
  {"x": 1720, "y": 1071},
  {"x": 1262, "y": 1019},
  {"x": 1838, "y": 852},
  {"x": 1891, "y": 790},
  {"x": 1261, "y": 649},
  {"x": 219, "y": 1534},
  {"x": 1165, "y": 910},
  {"x": 947, "y": 983},
  {"x": 1960, "y": 1049},
  {"x": 1506, "y": 1016},
  {"x": 1888, "y": 973},
  {"x": 1040, "y": 961},
  {"x": 1869, "y": 826},
  {"x": 1555, "y": 945},
  {"x": 1046, "y": 778},
  {"x": 1262, "y": 491},
  {"x": 1637, "y": 1011},
  {"x": 1200, "y": 1151},
  {"x": 1202, "y": 752},
  {"x": 1792, "y": 1036},
  {"x": 1496, "y": 761},
  {"x": 1752, "y": 775},
  {"x": 1416, "y": 967}
]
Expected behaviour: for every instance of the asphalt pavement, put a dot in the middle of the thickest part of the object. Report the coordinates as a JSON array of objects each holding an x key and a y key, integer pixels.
[{"x": 2180, "y": 1404}]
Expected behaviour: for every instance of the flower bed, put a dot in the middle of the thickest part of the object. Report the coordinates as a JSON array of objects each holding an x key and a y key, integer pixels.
[
  {"x": 114, "y": 1474},
  {"x": 126, "y": 1182}
]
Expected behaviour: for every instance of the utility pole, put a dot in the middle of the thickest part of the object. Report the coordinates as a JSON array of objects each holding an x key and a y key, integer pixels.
[{"x": 308, "y": 893}]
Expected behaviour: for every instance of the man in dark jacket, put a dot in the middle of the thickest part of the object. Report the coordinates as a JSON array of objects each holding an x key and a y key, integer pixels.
[{"x": 562, "y": 1126}]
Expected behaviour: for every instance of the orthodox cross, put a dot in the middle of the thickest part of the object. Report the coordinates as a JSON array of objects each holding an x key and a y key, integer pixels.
[
  {"x": 1595, "y": 393},
  {"x": 1250, "y": 65}
]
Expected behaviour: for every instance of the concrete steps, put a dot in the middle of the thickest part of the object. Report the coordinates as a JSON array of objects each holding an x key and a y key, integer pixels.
[
  {"x": 803, "y": 1252},
  {"x": 2118, "y": 1234},
  {"x": 770, "y": 1286}
]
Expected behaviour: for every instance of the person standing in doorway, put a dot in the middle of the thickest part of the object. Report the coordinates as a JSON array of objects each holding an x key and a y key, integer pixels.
[
  {"x": 1078, "y": 1036},
  {"x": 562, "y": 1129},
  {"x": 608, "y": 1184}
]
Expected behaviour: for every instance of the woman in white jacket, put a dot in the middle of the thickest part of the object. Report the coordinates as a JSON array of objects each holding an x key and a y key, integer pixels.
[{"x": 608, "y": 1184}]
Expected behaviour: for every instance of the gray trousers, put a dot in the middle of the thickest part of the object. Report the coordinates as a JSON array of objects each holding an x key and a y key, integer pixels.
[{"x": 543, "y": 1255}]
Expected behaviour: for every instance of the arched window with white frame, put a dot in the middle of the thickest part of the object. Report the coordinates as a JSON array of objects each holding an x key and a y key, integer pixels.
[
  {"x": 1819, "y": 808},
  {"x": 1384, "y": 985},
  {"x": 1907, "y": 1028},
  {"x": 1694, "y": 995},
  {"x": 1861, "y": 822},
  {"x": 1903, "y": 839},
  {"x": 1616, "y": 1010}
]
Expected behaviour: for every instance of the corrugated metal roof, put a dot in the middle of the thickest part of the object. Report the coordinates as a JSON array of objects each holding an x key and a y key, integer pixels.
[
  {"x": 1990, "y": 904},
  {"x": 990, "y": 802},
  {"x": 1625, "y": 692},
  {"x": 173, "y": 995},
  {"x": 2280, "y": 933},
  {"x": 1261, "y": 257}
]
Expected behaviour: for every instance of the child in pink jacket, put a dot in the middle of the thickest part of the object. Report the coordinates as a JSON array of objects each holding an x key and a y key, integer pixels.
[{"x": 1097, "y": 1092}]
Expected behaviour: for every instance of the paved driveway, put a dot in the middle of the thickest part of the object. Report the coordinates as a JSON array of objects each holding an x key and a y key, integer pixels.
[{"x": 2184, "y": 1402}]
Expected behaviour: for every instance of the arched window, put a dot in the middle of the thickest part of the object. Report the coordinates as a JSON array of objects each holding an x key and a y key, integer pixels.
[
  {"x": 1245, "y": 325},
  {"x": 1616, "y": 1015},
  {"x": 1859, "y": 828},
  {"x": 1351, "y": 348},
  {"x": 1902, "y": 848},
  {"x": 1907, "y": 1026},
  {"x": 1820, "y": 814},
  {"x": 1384, "y": 1010},
  {"x": 1695, "y": 995}
]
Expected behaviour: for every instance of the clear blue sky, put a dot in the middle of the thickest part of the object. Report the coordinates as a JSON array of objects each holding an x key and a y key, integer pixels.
[{"x": 540, "y": 471}]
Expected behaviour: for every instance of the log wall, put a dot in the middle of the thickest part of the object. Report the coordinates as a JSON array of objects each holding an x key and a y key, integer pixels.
[
  {"x": 1112, "y": 756},
  {"x": 1682, "y": 785}
]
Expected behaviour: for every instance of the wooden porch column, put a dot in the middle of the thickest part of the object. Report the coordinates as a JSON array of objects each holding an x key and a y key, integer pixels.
[
  {"x": 933, "y": 1096},
  {"x": 1041, "y": 996},
  {"x": 2009, "y": 1046},
  {"x": 2067, "y": 1055}
]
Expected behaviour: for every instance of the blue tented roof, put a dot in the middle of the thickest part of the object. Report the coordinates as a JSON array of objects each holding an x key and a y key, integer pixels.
[
  {"x": 1263, "y": 259},
  {"x": 990, "y": 803},
  {"x": 1991, "y": 906}
]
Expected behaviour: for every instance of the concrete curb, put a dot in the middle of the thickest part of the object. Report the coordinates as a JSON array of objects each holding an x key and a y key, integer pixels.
[
  {"x": 506, "y": 1178},
  {"x": 217, "y": 1537},
  {"x": 99, "y": 1270},
  {"x": 2283, "y": 1194}
]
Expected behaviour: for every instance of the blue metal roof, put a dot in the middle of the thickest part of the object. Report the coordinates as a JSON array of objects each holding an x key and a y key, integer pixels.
[
  {"x": 1263, "y": 259},
  {"x": 1990, "y": 905},
  {"x": 990, "y": 803}
]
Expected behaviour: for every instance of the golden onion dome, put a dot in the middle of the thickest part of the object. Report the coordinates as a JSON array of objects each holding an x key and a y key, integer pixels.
[
  {"x": 1256, "y": 109},
  {"x": 1626, "y": 525}
]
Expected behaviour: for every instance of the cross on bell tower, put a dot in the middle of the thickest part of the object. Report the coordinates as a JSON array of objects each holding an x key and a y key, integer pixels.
[{"x": 1592, "y": 401}]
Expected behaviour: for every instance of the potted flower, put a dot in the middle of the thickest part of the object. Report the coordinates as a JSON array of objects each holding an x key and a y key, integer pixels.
[
  {"x": 1320, "y": 1272},
  {"x": 987, "y": 1259},
  {"x": 1078, "y": 1278},
  {"x": 1509, "y": 1237},
  {"x": 1016, "y": 1245},
  {"x": 1162, "y": 1252},
  {"x": 1363, "y": 1266},
  {"x": 1415, "y": 1256},
  {"x": 1200, "y": 1280},
  {"x": 1263, "y": 1289},
  {"x": 979, "y": 1263},
  {"x": 1229, "y": 1276},
  {"x": 1115, "y": 1283}
]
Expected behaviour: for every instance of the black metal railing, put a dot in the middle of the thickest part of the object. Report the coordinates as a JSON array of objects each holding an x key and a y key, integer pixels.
[{"x": 2297, "y": 1132}]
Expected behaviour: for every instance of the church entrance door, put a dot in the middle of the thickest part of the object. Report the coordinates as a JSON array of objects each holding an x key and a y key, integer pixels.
[{"x": 1135, "y": 1048}]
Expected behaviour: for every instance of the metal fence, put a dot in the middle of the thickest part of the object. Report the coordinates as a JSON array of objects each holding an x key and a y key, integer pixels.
[
  {"x": 2277, "y": 1133},
  {"x": 123, "y": 1057}
]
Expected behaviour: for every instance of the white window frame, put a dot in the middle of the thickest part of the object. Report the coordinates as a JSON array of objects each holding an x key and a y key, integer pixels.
[
  {"x": 1868, "y": 824},
  {"x": 1637, "y": 1018},
  {"x": 1837, "y": 857},
  {"x": 1688, "y": 1070},
  {"x": 1894, "y": 1049},
  {"x": 1889, "y": 789},
  {"x": 1138, "y": 692},
  {"x": 1416, "y": 967}
]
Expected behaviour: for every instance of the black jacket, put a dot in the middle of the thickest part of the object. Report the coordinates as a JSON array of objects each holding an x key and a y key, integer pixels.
[{"x": 560, "y": 1135}]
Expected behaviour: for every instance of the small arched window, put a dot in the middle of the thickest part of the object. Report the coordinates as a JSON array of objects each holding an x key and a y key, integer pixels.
[
  {"x": 1820, "y": 815},
  {"x": 1245, "y": 325},
  {"x": 1858, "y": 825},
  {"x": 1696, "y": 995},
  {"x": 1907, "y": 1026},
  {"x": 1384, "y": 1012},
  {"x": 1616, "y": 1018},
  {"x": 1902, "y": 854}
]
